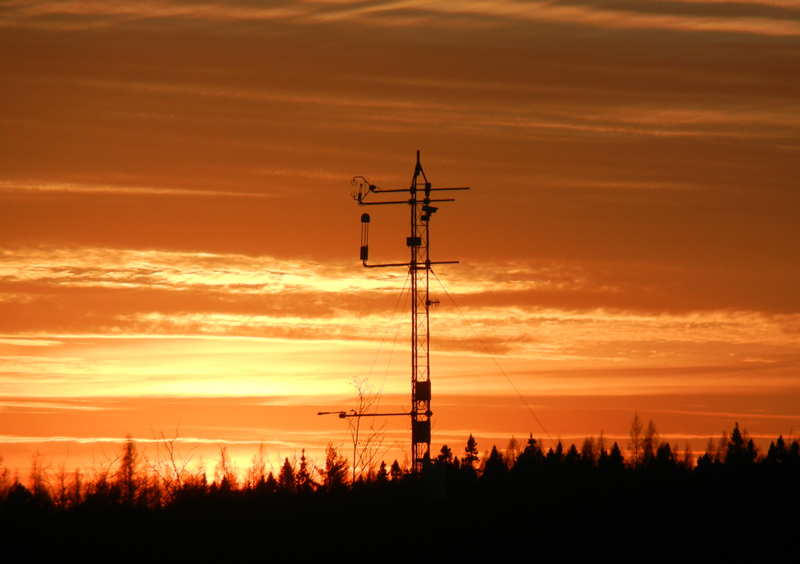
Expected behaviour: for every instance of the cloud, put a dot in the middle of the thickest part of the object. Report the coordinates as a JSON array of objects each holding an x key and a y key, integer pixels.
[
  {"x": 31, "y": 186},
  {"x": 758, "y": 18},
  {"x": 536, "y": 309},
  {"x": 8, "y": 406},
  {"x": 154, "y": 269},
  {"x": 30, "y": 342}
]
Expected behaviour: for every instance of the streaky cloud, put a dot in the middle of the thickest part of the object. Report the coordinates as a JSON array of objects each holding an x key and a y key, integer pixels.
[
  {"x": 29, "y": 186},
  {"x": 767, "y": 19}
]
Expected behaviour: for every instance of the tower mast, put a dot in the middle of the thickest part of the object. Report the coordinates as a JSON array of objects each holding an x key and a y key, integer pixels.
[{"x": 419, "y": 268}]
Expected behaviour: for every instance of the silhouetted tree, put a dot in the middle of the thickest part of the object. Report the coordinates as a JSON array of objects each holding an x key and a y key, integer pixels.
[
  {"x": 100, "y": 490},
  {"x": 635, "y": 441},
  {"x": 256, "y": 475},
  {"x": 38, "y": 480},
  {"x": 664, "y": 458},
  {"x": 722, "y": 448},
  {"x": 76, "y": 490},
  {"x": 305, "y": 483},
  {"x": 495, "y": 469},
  {"x": 650, "y": 443},
  {"x": 445, "y": 455},
  {"x": 5, "y": 479},
  {"x": 793, "y": 458},
  {"x": 705, "y": 462},
  {"x": 572, "y": 458},
  {"x": 194, "y": 483},
  {"x": 710, "y": 452},
  {"x": 513, "y": 450},
  {"x": 751, "y": 451},
  {"x": 286, "y": 478},
  {"x": 555, "y": 457},
  {"x": 531, "y": 456},
  {"x": 736, "y": 448},
  {"x": 447, "y": 470},
  {"x": 270, "y": 484},
  {"x": 171, "y": 468},
  {"x": 470, "y": 453},
  {"x": 60, "y": 488},
  {"x": 335, "y": 476},
  {"x": 367, "y": 443},
  {"x": 615, "y": 461},
  {"x": 225, "y": 472},
  {"x": 589, "y": 454},
  {"x": 468, "y": 469},
  {"x": 777, "y": 453},
  {"x": 529, "y": 464},
  {"x": 383, "y": 474},
  {"x": 687, "y": 460},
  {"x": 128, "y": 477},
  {"x": 600, "y": 446},
  {"x": 396, "y": 471}
]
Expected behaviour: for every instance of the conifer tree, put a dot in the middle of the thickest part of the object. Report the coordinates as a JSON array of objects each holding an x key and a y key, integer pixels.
[
  {"x": 735, "y": 451},
  {"x": 128, "y": 476},
  {"x": 572, "y": 457},
  {"x": 555, "y": 457},
  {"x": 335, "y": 476},
  {"x": 531, "y": 457},
  {"x": 396, "y": 471},
  {"x": 303, "y": 479},
  {"x": 777, "y": 453},
  {"x": 286, "y": 478},
  {"x": 664, "y": 457},
  {"x": 470, "y": 453},
  {"x": 781, "y": 450},
  {"x": 445, "y": 455},
  {"x": 615, "y": 459},
  {"x": 468, "y": 468},
  {"x": 383, "y": 474},
  {"x": 495, "y": 468},
  {"x": 589, "y": 454}
]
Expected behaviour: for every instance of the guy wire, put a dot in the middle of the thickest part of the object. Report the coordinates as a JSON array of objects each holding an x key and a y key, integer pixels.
[{"x": 492, "y": 357}]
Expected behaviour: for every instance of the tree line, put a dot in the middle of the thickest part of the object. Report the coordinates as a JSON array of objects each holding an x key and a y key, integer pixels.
[
  {"x": 526, "y": 499},
  {"x": 133, "y": 479}
]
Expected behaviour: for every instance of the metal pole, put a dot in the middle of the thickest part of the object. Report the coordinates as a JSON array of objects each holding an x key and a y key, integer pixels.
[
  {"x": 419, "y": 269},
  {"x": 420, "y": 358}
]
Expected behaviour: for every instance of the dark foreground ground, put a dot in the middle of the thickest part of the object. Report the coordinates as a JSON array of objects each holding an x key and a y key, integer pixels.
[{"x": 630, "y": 518}]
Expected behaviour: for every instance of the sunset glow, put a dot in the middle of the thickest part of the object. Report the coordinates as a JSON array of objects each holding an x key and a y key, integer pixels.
[{"x": 180, "y": 248}]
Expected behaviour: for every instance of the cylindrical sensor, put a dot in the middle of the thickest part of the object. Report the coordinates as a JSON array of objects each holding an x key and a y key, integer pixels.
[{"x": 365, "y": 236}]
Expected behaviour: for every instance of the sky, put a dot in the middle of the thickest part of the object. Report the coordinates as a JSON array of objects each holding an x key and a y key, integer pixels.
[{"x": 179, "y": 245}]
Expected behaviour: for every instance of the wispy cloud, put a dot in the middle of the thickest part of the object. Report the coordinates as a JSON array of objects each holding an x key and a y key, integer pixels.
[
  {"x": 48, "y": 406},
  {"x": 100, "y": 267},
  {"x": 32, "y": 186},
  {"x": 30, "y": 342},
  {"x": 537, "y": 309},
  {"x": 759, "y": 18},
  {"x": 554, "y": 113}
]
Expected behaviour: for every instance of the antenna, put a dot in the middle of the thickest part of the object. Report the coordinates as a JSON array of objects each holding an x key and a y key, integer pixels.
[{"x": 419, "y": 267}]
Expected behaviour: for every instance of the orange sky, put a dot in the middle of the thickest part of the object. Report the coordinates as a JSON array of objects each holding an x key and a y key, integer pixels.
[{"x": 180, "y": 249}]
